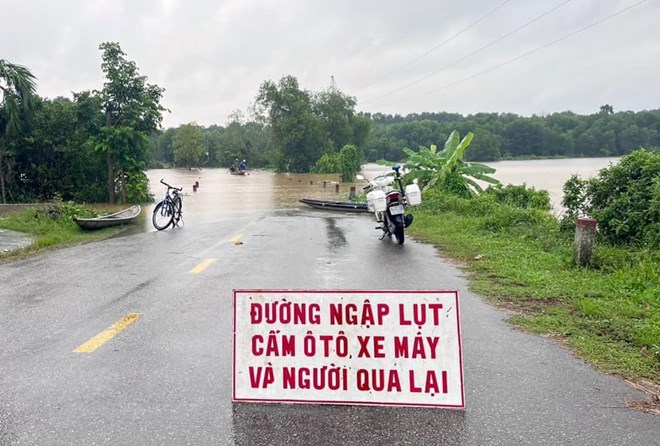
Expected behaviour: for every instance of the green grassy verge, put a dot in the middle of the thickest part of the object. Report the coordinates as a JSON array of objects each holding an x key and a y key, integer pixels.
[
  {"x": 52, "y": 227},
  {"x": 608, "y": 313}
]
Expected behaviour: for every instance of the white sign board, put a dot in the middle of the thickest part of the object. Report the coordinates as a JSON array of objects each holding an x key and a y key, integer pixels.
[{"x": 348, "y": 347}]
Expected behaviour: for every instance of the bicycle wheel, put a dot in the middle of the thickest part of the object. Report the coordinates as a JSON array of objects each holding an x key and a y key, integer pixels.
[
  {"x": 178, "y": 209},
  {"x": 163, "y": 215}
]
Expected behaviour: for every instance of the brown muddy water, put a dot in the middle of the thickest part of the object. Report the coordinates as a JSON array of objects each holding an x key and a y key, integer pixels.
[
  {"x": 550, "y": 174},
  {"x": 220, "y": 194}
]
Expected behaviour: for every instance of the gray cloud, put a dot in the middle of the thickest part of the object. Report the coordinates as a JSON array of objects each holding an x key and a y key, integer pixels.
[{"x": 212, "y": 56}]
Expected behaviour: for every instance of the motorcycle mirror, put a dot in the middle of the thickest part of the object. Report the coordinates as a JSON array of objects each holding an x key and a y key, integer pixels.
[{"x": 359, "y": 177}]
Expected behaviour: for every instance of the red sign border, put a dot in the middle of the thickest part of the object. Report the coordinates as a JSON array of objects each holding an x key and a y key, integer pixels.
[{"x": 347, "y": 403}]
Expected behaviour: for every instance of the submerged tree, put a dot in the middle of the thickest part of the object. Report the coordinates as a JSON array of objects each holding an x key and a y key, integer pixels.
[
  {"x": 306, "y": 126},
  {"x": 297, "y": 131},
  {"x": 188, "y": 146},
  {"x": 17, "y": 92}
]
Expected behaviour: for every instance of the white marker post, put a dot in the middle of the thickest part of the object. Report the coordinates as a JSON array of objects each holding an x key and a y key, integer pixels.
[{"x": 348, "y": 347}]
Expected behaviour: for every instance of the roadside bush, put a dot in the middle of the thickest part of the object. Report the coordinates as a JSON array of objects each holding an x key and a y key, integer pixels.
[
  {"x": 61, "y": 214},
  {"x": 346, "y": 163},
  {"x": 351, "y": 158},
  {"x": 328, "y": 163},
  {"x": 437, "y": 200},
  {"x": 624, "y": 198},
  {"x": 137, "y": 190},
  {"x": 521, "y": 196},
  {"x": 506, "y": 210},
  {"x": 574, "y": 201},
  {"x": 68, "y": 210}
]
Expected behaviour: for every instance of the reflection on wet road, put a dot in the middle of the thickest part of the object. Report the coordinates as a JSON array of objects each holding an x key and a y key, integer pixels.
[{"x": 336, "y": 239}]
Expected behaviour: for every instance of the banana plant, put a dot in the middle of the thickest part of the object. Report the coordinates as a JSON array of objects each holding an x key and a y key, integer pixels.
[{"x": 447, "y": 168}]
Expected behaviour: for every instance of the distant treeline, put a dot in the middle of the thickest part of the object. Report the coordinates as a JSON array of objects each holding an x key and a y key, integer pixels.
[
  {"x": 506, "y": 135},
  {"x": 497, "y": 136}
]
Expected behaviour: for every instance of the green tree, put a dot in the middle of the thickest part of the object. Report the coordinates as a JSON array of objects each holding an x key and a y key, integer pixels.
[
  {"x": 161, "y": 147},
  {"x": 188, "y": 146},
  {"x": 132, "y": 112},
  {"x": 297, "y": 132},
  {"x": 17, "y": 91},
  {"x": 237, "y": 140},
  {"x": 339, "y": 120},
  {"x": 53, "y": 157}
]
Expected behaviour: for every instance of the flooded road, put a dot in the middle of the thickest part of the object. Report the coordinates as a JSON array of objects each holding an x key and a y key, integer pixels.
[
  {"x": 167, "y": 378},
  {"x": 221, "y": 195}
]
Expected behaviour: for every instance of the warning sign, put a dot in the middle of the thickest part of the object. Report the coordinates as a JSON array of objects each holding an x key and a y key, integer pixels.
[{"x": 348, "y": 347}]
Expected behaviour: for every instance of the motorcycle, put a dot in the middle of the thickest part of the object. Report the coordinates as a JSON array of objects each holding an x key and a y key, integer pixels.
[{"x": 389, "y": 203}]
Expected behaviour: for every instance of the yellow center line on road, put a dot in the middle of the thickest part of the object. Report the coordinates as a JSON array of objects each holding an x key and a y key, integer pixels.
[
  {"x": 201, "y": 266},
  {"x": 112, "y": 331}
]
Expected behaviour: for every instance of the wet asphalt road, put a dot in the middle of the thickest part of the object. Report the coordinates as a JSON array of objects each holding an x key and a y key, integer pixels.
[{"x": 166, "y": 379}]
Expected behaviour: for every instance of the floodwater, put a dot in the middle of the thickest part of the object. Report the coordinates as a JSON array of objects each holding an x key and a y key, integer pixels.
[
  {"x": 549, "y": 175},
  {"x": 220, "y": 194}
]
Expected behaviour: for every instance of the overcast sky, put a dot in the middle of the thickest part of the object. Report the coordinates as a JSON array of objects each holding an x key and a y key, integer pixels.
[{"x": 462, "y": 56}]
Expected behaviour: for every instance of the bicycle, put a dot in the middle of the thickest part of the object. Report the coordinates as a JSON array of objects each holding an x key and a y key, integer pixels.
[{"x": 170, "y": 210}]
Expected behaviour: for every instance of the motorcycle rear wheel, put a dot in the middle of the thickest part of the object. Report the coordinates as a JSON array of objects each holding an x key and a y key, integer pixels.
[{"x": 397, "y": 221}]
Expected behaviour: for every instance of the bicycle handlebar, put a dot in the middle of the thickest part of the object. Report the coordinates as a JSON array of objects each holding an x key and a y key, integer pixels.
[{"x": 171, "y": 187}]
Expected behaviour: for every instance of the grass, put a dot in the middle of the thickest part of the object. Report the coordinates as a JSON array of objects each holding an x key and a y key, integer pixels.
[
  {"x": 52, "y": 227},
  {"x": 607, "y": 313}
]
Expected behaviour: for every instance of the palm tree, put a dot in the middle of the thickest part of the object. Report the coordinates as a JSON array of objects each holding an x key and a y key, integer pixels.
[{"x": 17, "y": 90}]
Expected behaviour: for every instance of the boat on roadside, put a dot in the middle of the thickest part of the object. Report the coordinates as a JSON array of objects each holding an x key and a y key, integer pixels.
[
  {"x": 342, "y": 206},
  {"x": 122, "y": 217}
]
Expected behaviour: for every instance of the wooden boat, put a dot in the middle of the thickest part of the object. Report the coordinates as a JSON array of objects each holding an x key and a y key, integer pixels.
[
  {"x": 343, "y": 206},
  {"x": 239, "y": 172},
  {"x": 104, "y": 221}
]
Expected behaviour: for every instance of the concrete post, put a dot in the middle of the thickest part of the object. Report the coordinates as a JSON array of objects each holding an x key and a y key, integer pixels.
[{"x": 585, "y": 240}]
